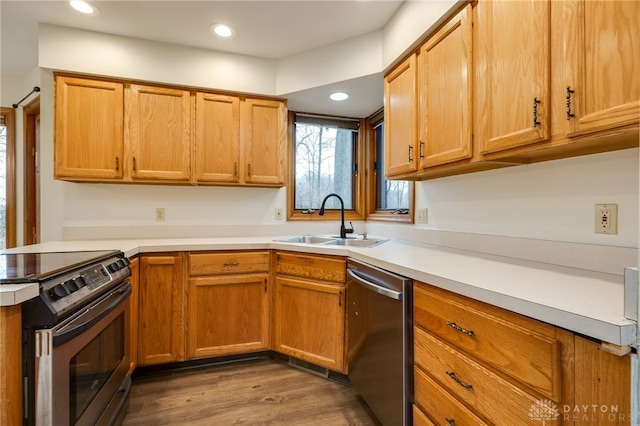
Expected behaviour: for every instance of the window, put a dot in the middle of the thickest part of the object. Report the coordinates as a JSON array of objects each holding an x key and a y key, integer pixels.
[
  {"x": 388, "y": 199},
  {"x": 325, "y": 161},
  {"x": 326, "y": 155}
]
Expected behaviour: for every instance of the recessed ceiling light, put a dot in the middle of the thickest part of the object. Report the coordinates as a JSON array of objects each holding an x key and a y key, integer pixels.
[
  {"x": 84, "y": 7},
  {"x": 338, "y": 96},
  {"x": 222, "y": 30}
]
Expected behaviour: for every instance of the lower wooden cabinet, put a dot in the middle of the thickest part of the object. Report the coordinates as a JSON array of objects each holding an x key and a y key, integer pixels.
[
  {"x": 228, "y": 303},
  {"x": 160, "y": 319},
  {"x": 478, "y": 364},
  {"x": 309, "y": 309},
  {"x": 134, "y": 299}
]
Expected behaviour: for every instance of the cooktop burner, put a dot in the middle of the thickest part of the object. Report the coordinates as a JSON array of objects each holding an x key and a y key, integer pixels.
[{"x": 34, "y": 267}]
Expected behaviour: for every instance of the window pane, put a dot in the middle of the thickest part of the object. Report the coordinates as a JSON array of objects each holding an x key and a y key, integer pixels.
[
  {"x": 390, "y": 194},
  {"x": 324, "y": 164},
  {"x": 3, "y": 183}
]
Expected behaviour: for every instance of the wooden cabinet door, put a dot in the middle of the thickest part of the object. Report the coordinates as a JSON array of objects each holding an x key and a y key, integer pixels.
[
  {"x": 134, "y": 301},
  {"x": 511, "y": 73},
  {"x": 159, "y": 133},
  {"x": 160, "y": 322},
  {"x": 309, "y": 321},
  {"x": 604, "y": 379},
  {"x": 264, "y": 133},
  {"x": 603, "y": 40},
  {"x": 401, "y": 119},
  {"x": 444, "y": 66},
  {"x": 228, "y": 314},
  {"x": 217, "y": 139},
  {"x": 89, "y": 128}
]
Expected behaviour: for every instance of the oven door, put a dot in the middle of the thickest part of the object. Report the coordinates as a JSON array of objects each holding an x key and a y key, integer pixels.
[{"x": 82, "y": 363}]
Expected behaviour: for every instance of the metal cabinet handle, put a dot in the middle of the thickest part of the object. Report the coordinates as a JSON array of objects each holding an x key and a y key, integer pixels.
[
  {"x": 410, "y": 152},
  {"x": 117, "y": 164},
  {"x": 569, "y": 93},
  {"x": 249, "y": 169},
  {"x": 536, "y": 101},
  {"x": 235, "y": 169},
  {"x": 452, "y": 374},
  {"x": 450, "y": 421},
  {"x": 456, "y": 327},
  {"x": 227, "y": 264},
  {"x": 420, "y": 151},
  {"x": 134, "y": 164}
]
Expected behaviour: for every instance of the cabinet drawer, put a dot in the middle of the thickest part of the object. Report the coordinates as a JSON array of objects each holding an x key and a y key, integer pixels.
[
  {"x": 420, "y": 419},
  {"x": 228, "y": 263},
  {"x": 326, "y": 268},
  {"x": 439, "y": 405},
  {"x": 499, "y": 401},
  {"x": 525, "y": 349}
]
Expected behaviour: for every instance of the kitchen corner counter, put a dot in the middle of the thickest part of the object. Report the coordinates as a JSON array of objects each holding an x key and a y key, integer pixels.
[{"x": 585, "y": 302}]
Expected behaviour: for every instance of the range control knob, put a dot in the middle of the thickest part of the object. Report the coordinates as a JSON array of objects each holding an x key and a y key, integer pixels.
[
  {"x": 71, "y": 285},
  {"x": 59, "y": 291},
  {"x": 80, "y": 282},
  {"x": 113, "y": 267}
]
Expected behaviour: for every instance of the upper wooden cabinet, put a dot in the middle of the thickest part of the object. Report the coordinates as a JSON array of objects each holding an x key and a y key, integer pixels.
[
  {"x": 512, "y": 69},
  {"x": 240, "y": 140},
  {"x": 548, "y": 80},
  {"x": 401, "y": 119},
  {"x": 89, "y": 129},
  {"x": 217, "y": 152},
  {"x": 586, "y": 47},
  {"x": 108, "y": 131},
  {"x": 159, "y": 133},
  {"x": 603, "y": 86},
  {"x": 444, "y": 70},
  {"x": 264, "y": 127}
]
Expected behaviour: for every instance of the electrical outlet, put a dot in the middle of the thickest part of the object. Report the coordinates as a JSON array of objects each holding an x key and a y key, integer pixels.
[
  {"x": 606, "y": 219},
  {"x": 422, "y": 215},
  {"x": 277, "y": 214},
  {"x": 160, "y": 214}
]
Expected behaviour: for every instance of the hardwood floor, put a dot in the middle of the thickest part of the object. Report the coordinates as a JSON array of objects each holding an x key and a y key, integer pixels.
[{"x": 264, "y": 392}]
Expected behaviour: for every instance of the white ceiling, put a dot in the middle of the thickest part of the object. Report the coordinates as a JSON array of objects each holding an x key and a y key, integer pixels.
[{"x": 267, "y": 29}]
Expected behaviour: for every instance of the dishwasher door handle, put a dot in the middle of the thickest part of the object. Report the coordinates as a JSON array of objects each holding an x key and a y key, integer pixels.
[{"x": 374, "y": 287}]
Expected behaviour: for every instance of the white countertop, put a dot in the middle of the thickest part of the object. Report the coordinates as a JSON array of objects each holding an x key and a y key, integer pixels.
[{"x": 585, "y": 302}]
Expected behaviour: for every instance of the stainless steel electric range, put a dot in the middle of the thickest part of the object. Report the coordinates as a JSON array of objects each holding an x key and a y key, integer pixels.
[{"x": 75, "y": 335}]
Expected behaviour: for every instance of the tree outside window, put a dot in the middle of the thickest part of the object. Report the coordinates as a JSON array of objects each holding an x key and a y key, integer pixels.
[{"x": 324, "y": 164}]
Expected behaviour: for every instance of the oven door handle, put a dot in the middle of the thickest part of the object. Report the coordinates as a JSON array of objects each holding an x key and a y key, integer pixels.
[
  {"x": 85, "y": 319},
  {"x": 387, "y": 292}
]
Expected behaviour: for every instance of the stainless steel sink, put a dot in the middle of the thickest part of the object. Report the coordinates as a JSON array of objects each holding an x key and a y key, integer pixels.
[
  {"x": 356, "y": 242},
  {"x": 307, "y": 239},
  {"x": 331, "y": 240}
]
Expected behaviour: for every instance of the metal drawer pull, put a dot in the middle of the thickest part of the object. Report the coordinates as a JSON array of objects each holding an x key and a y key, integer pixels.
[
  {"x": 450, "y": 421},
  {"x": 456, "y": 327},
  {"x": 230, "y": 264},
  {"x": 458, "y": 381}
]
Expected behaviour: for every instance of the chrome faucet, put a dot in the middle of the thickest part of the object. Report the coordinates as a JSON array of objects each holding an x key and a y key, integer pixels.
[{"x": 343, "y": 230}]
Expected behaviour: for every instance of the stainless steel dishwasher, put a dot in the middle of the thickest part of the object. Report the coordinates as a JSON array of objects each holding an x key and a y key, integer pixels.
[{"x": 379, "y": 323}]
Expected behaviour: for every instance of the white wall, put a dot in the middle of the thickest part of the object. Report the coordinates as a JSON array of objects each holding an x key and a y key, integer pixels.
[
  {"x": 552, "y": 200},
  {"x": 88, "y": 52}
]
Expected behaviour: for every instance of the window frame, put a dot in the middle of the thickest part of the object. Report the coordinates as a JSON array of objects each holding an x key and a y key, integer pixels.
[
  {"x": 357, "y": 213},
  {"x": 10, "y": 218},
  {"x": 371, "y": 182}
]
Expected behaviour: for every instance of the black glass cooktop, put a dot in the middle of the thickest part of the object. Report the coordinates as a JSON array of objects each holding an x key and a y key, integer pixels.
[{"x": 35, "y": 267}]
